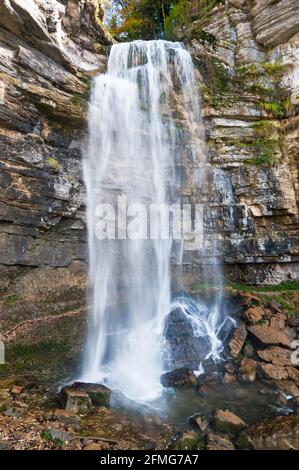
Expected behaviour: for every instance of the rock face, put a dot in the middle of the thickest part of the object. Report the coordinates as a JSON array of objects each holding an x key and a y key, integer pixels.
[
  {"x": 49, "y": 50},
  {"x": 250, "y": 87}
]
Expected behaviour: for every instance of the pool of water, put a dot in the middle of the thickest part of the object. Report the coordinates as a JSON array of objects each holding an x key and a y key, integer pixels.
[{"x": 249, "y": 401}]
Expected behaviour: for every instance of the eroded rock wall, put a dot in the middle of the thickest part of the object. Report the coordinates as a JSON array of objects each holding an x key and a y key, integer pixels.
[
  {"x": 250, "y": 82},
  {"x": 49, "y": 51}
]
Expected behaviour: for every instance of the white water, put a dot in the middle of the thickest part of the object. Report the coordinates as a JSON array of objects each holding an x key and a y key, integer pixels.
[{"x": 133, "y": 144}]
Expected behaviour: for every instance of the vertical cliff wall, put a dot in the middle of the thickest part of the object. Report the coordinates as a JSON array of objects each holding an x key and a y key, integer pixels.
[
  {"x": 248, "y": 56},
  {"x": 49, "y": 51}
]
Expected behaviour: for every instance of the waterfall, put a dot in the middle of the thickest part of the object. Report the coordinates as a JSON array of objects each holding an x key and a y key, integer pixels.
[{"x": 136, "y": 144}]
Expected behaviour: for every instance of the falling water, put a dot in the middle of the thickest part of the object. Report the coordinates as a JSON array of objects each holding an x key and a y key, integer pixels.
[{"x": 134, "y": 147}]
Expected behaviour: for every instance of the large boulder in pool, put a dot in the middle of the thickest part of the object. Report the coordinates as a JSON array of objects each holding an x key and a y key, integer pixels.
[
  {"x": 179, "y": 378},
  {"x": 185, "y": 349}
]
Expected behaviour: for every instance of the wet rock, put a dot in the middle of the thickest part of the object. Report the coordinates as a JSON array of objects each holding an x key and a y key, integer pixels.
[
  {"x": 179, "y": 378},
  {"x": 248, "y": 349},
  {"x": 199, "y": 421},
  {"x": 188, "y": 441},
  {"x": 253, "y": 315},
  {"x": 228, "y": 422},
  {"x": 74, "y": 400},
  {"x": 185, "y": 349},
  {"x": 276, "y": 355},
  {"x": 215, "y": 442},
  {"x": 99, "y": 394},
  {"x": 272, "y": 372},
  {"x": 247, "y": 371},
  {"x": 293, "y": 374},
  {"x": 229, "y": 378},
  {"x": 276, "y": 433},
  {"x": 267, "y": 336},
  {"x": 237, "y": 341}
]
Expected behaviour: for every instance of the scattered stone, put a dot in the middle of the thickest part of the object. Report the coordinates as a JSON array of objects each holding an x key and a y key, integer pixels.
[
  {"x": 294, "y": 321},
  {"x": 97, "y": 446},
  {"x": 276, "y": 433},
  {"x": 293, "y": 374},
  {"x": 290, "y": 333},
  {"x": 74, "y": 400},
  {"x": 275, "y": 306},
  {"x": 215, "y": 442},
  {"x": 253, "y": 315},
  {"x": 56, "y": 435},
  {"x": 248, "y": 349},
  {"x": 247, "y": 371},
  {"x": 237, "y": 341},
  {"x": 188, "y": 441},
  {"x": 229, "y": 378},
  {"x": 6, "y": 445},
  {"x": 199, "y": 421},
  {"x": 67, "y": 417},
  {"x": 179, "y": 378},
  {"x": 276, "y": 355},
  {"x": 230, "y": 367},
  {"x": 272, "y": 372},
  {"x": 99, "y": 394},
  {"x": 228, "y": 422},
  {"x": 267, "y": 336},
  {"x": 16, "y": 390},
  {"x": 277, "y": 322}
]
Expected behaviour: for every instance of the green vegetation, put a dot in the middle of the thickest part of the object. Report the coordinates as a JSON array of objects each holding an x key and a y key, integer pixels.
[
  {"x": 149, "y": 19},
  {"x": 53, "y": 163},
  {"x": 289, "y": 286},
  {"x": 11, "y": 299},
  {"x": 265, "y": 149}
]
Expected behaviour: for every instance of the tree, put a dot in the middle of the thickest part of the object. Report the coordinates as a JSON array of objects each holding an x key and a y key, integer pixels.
[{"x": 138, "y": 19}]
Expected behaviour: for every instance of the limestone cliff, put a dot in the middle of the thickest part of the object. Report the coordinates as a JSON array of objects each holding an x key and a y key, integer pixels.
[
  {"x": 49, "y": 50},
  {"x": 248, "y": 56}
]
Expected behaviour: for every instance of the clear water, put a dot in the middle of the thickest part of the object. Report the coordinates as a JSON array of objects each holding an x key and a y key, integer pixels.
[{"x": 133, "y": 149}]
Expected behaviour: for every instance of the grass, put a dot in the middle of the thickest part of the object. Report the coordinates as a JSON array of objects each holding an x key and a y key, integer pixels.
[
  {"x": 11, "y": 299},
  {"x": 289, "y": 286}
]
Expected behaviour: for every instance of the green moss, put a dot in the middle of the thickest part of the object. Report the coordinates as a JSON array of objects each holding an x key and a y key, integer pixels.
[
  {"x": 11, "y": 299},
  {"x": 288, "y": 286},
  {"x": 53, "y": 163},
  {"x": 46, "y": 436},
  {"x": 274, "y": 69},
  {"x": 265, "y": 149}
]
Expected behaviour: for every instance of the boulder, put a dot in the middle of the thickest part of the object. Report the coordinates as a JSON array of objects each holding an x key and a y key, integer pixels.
[
  {"x": 276, "y": 433},
  {"x": 267, "y": 336},
  {"x": 185, "y": 349},
  {"x": 293, "y": 374},
  {"x": 74, "y": 400},
  {"x": 229, "y": 378},
  {"x": 98, "y": 394},
  {"x": 272, "y": 372},
  {"x": 188, "y": 441},
  {"x": 276, "y": 355},
  {"x": 237, "y": 341},
  {"x": 253, "y": 315},
  {"x": 215, "y": 442},
  {"x": 247, "y": 371},
  {"x": 199, "y": 421},
  {"x": 228, "y": 422},
  {"x": 179, "y": 378}
]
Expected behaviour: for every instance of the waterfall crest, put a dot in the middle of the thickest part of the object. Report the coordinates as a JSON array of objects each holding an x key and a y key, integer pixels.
[{"x": 134, "y": 149}]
